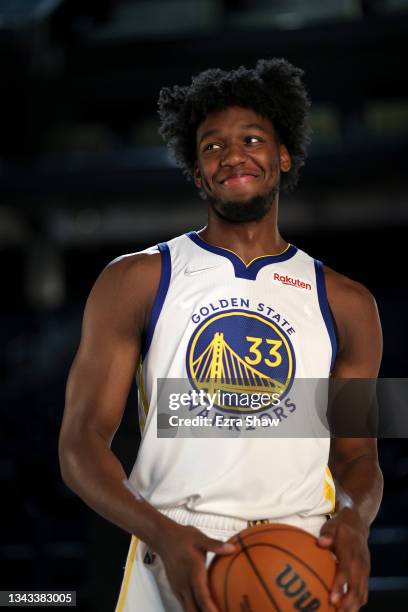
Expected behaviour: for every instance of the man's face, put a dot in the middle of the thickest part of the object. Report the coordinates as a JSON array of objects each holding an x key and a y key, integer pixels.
[{"x": 239, "y": 161}]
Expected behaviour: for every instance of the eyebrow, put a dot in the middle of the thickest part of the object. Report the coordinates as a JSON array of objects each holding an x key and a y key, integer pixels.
[
  {"x": 256, "y": 126},
  {"x": 244, "y": 126}
]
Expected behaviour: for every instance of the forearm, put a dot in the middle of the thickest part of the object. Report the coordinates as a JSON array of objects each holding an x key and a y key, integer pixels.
[
  {"x": 91, "y": 469},
  {"x": 359, "y": 486}
]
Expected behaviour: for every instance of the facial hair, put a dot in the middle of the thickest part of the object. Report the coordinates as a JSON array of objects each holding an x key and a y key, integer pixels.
[{"x": 254, "y": 209}]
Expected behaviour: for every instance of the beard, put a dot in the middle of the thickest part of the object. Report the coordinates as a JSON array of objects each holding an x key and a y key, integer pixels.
[{"x": 235, "y": 211}]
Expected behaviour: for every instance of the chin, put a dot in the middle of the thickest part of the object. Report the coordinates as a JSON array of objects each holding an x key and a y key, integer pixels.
[
  {"x": 245, "y": 208},
  {"x": 243, "y": 212},
  {"x": 243, "y": 198}
]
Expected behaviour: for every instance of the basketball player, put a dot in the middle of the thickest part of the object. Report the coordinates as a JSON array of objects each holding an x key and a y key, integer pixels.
[{"x": 236, "y": 285}]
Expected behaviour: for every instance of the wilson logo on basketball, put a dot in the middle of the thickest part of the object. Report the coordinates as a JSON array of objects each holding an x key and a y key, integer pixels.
[
  {"x": 294, "y": 587},
  {"x": 293, "y": 282}
]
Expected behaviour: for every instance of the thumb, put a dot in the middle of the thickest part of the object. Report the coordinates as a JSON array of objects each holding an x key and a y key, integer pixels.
[
  {"x": 219, "y": 547},
  {"x": 327, "y": 533}
]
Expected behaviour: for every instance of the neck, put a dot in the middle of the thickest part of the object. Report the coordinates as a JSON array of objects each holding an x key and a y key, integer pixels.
[{"x": 248, "y": 240}]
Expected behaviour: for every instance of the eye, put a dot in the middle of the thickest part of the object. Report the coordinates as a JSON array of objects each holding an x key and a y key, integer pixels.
[
  {"x": 253, "y": 139},
  {"x": 211, "y": 146}
]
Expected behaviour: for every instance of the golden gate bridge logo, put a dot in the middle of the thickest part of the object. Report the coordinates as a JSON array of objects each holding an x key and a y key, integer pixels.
[{"x": 243, "y": 353}]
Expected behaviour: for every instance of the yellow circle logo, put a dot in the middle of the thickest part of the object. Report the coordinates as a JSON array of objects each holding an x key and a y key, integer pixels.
[{"x": 238, "y": 354}]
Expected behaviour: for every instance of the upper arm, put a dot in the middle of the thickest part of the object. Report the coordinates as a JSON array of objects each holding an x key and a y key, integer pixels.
[
  {"x": 359, "y": 356},
  {"x": 359, "y": 328},
  {"x": 103, "y": 369}
]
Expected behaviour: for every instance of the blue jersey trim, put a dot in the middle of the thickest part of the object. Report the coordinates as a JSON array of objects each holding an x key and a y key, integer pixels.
[
  {"x": 160, "y": 296},
  {"x": 325, "y": 309},
  {"x": 249, "y": 272}
]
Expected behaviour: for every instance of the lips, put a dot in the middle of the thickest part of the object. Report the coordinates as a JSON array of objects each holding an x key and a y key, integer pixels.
[{"x": 239, "y": 178}]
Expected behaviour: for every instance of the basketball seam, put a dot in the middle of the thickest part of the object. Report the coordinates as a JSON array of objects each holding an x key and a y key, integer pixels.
[
  {"x": 227, "y": 571},
  {"x": 255, "y": 570},
  {"x": 226, "y": 582}
]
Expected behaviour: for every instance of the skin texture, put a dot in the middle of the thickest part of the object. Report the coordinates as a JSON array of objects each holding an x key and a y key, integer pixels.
[{"x": 115, "y": 319}]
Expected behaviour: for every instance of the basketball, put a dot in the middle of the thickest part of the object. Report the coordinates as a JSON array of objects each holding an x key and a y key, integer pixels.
[{"x": 277, "y": 567}]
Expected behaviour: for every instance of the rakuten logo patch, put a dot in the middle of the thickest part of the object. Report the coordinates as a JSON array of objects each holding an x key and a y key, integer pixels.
[{"x": 293, "y": 282}]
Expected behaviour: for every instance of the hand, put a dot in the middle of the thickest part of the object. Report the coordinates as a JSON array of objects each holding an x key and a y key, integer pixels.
[
  {"x": 346, "y": 535},
  {"x": 183, "y": 551}
]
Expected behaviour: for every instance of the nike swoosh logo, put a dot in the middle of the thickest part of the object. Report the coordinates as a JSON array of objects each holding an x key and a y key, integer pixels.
[{"x": 189, "y": 272}]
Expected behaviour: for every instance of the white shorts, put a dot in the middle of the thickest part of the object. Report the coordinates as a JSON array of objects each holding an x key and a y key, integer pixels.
[{"x": 145, "y": 587}]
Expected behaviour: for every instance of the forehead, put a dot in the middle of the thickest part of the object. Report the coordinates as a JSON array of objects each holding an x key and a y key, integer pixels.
[{"x": 233, "y": 118}]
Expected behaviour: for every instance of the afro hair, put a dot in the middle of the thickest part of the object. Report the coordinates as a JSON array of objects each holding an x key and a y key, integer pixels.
[{"x": 273, "y": 89}]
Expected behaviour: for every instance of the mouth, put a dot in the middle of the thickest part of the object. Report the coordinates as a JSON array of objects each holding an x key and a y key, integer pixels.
[{"x": 239, "y": 179}]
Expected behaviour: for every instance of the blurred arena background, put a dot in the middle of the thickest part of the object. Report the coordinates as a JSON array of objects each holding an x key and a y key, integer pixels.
[{"x": 84, "y": 178}]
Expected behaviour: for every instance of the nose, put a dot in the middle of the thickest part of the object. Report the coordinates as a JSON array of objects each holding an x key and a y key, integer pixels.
[{"x": 234, "y": 154}]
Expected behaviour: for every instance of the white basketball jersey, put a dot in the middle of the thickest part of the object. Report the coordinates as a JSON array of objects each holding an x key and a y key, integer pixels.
[{"x": 216, "y": 320}]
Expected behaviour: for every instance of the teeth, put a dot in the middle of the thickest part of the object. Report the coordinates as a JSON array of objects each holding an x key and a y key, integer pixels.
[{"x": 234, "y": 176}]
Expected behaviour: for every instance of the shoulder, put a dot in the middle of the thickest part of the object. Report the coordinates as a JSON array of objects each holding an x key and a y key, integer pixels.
[
  {"x": 130, "y": 269},
  {"x": 127, "y": 286},
  {"x": 342, "y": 290}
]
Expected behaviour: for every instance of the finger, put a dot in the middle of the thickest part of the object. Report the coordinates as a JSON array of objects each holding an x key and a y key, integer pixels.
[
  {"x": 325, "y": 541},
  {"x": 219, "y": 547},
  {"x": 188, "y": 602},
  {"x": 226, "y": 549},
  {"x": 349, "y": 604},
  {"x": 340, "y": 585},
  {"x": 327, "y": 534},
  {"x": 356, "y": 595},
  {"x": 363, "y": 595},
  {"x": 352, "y": 601},
  {"x": 206, "y": 605},
  {"x": 202, "y": 593}
]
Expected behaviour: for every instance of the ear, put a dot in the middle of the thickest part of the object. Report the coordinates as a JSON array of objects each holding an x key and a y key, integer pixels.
[
  {"x": 285, "y": 159},
  {"x": 197, "y": 175}
]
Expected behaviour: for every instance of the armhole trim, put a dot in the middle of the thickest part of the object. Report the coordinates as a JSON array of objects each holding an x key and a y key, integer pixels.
[
  {"x": 160, "y": 296},
  {"x": 325, "y": 309}
]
